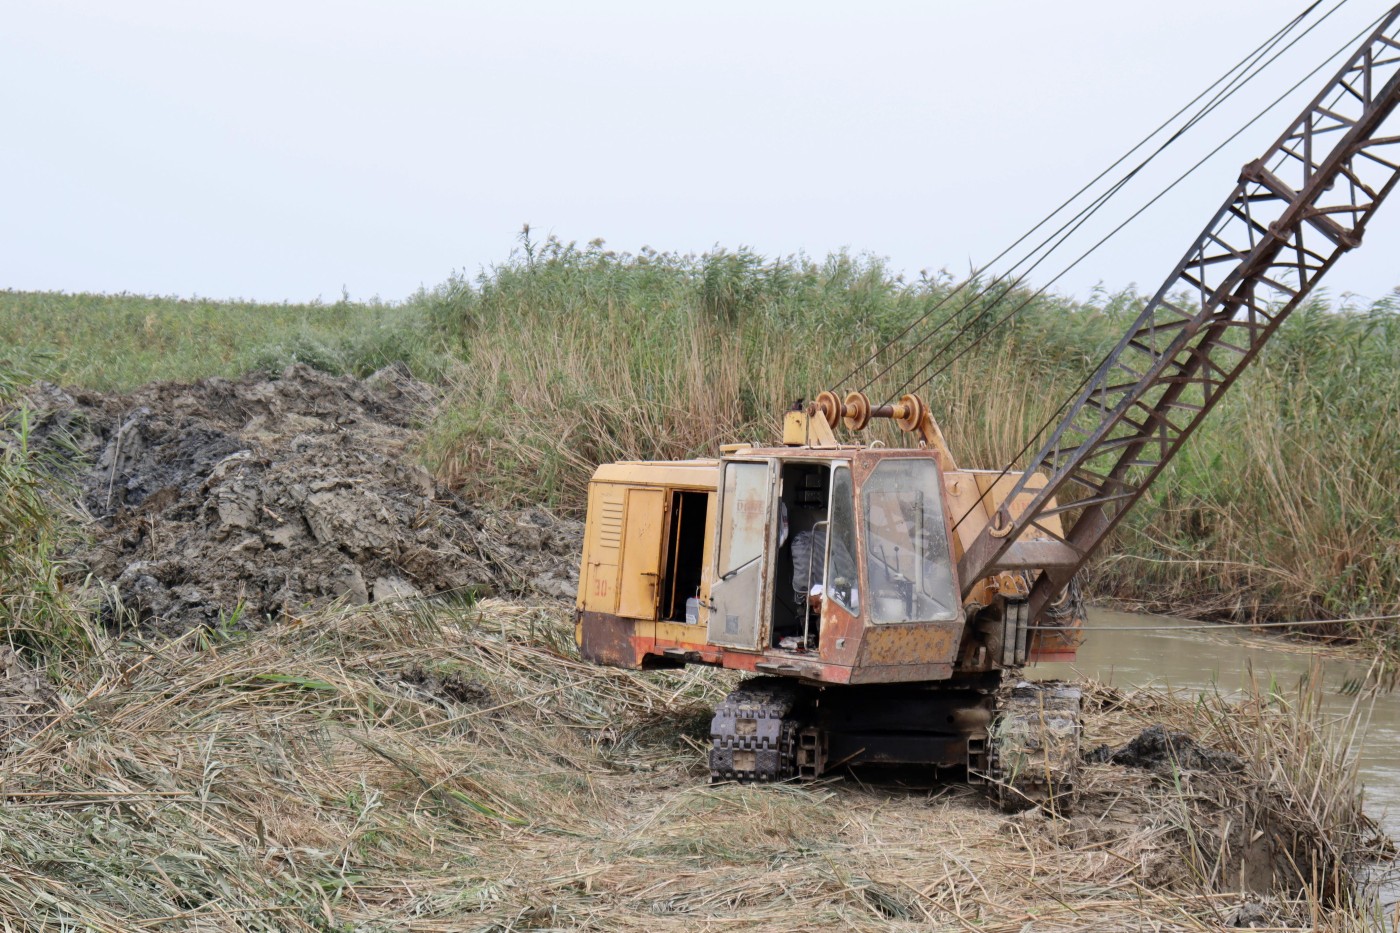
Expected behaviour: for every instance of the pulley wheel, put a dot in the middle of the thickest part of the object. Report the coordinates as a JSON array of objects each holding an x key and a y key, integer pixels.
[
  {"x": 913, "y": 410},
  {"x": 857, "y": 411},
  {"x": 830, "y": 407}
]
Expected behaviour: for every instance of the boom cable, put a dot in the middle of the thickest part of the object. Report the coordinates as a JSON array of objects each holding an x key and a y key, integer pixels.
[
  {"x": 1010, "y": 465},
  {"x": 1120, "y": 160},
  {"x": 1163, "y": 193},
  {"x": 1066, "y": 230},
  {"x": 1232, "y": 80}
]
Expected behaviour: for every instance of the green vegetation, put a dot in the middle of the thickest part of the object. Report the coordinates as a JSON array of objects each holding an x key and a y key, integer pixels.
[
  {"x": 1285, "y": 505},
  {"x": 122, "y": 341},
  {"x": 37, "y": 615},
  {"x": 425, "y": 766},
  {"x": 580, "y": 356}
]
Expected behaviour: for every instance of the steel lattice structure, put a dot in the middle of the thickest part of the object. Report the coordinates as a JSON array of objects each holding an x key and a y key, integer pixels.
[{"x": 1295, "y": 211}]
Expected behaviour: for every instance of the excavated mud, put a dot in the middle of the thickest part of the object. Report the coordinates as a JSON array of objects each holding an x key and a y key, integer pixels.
[
  {"x": 1160, "y": 749},
  {"x": 235, "y": 502}
]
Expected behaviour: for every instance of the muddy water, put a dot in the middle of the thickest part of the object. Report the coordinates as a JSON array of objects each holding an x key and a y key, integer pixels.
[{"x": 1130, "y": 650}]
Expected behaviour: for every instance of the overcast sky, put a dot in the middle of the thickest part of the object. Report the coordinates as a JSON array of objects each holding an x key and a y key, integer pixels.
[{"x": 287, "y": 150}]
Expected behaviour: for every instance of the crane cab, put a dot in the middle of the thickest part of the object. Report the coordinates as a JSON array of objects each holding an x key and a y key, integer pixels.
[
  {"x": 835, "y": 564},
  {"x": 819, "y": 553}
]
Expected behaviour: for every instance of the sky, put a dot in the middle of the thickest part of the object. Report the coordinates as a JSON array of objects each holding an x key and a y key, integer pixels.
[{"x": 299, "y": 149}]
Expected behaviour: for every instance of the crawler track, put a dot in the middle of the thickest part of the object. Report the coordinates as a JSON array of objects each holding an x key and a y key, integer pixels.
[
  {"x": 1035, "y": 746},
  {"x": 754, "y": 732},
  {"x": 1032, "y": 749}
]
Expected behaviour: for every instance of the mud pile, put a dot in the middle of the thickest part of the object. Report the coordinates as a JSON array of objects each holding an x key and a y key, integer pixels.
[
  {"x": 266, "y": 497},
  {"x": 1160, "y": 749}
]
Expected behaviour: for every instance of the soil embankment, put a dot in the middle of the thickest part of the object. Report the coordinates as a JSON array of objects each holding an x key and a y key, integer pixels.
[{"x": 263, "y": 498}]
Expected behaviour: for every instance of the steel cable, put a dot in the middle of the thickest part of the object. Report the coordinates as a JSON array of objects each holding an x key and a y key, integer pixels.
[
  {"x": 1232, "y": 80},
  {"x": 1044, "y": 427},
  {"x": 1242, "y": 64},
  {"x": 1077, "y": 222}
]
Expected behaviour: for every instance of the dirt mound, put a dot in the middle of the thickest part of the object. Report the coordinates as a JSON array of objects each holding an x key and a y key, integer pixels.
[
  {"x": 265, "y": 497},
  {"x": 1158, "y": 748}
]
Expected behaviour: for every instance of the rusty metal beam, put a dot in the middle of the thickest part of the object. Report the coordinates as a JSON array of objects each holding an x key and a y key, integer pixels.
[{"x": 1295, "y": 211}]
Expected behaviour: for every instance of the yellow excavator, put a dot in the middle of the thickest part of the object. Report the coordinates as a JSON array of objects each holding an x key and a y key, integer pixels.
[{"x": 886, "y": 598}]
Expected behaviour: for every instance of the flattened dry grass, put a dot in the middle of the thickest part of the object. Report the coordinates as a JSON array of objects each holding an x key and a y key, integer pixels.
[{"x": 431, "y": 770}]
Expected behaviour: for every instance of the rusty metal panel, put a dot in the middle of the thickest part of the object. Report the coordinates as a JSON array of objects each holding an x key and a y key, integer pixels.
[
  {"x": 639, "y": 581},
  {"x": 841, "y": 634},
  {"x": 607, "y": 639},
  {"x": 901, "y": 673},
  {"x": 785, "y": 665},
  {"x": 1060, "y": 645},
  {"x": 912, "y": 643}
]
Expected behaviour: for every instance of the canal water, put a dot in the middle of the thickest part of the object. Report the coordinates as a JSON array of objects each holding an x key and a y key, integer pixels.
[{"x": 1131, "y": 650}]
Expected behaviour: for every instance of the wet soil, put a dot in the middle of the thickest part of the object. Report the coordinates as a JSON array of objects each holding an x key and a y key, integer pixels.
[
  {"x": 1160, "y": 749},
  {"x": 234, "y": 502}
]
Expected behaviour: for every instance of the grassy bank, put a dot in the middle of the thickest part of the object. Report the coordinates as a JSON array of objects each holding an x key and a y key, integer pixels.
[
  {"x": 431, "y": 770},
  {"x": 429, "y": 767},
  {"x": 1285, "y": 505},
  {"x": 109, "y": 342}
]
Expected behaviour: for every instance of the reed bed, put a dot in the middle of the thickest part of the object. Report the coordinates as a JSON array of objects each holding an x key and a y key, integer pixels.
[
  {"x": 39, "y": 523},
  {"x": 1285, "y": 505},
  {"x": 461, "y": 769}
]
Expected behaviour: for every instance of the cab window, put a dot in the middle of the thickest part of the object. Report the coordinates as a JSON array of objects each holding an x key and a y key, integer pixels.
[{"x": 907, "y": 563}]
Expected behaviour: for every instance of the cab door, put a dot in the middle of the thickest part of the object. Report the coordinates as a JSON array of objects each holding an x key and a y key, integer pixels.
[
  {"x": 639, "y": 588},
  {"x": 744, "y": 546}
]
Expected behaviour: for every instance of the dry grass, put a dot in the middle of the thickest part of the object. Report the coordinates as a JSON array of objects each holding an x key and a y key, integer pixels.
[
  {"x": 465, "y": 771},
  {"x": 599, "y": 411},
  {"x": 38, "y": 524}
]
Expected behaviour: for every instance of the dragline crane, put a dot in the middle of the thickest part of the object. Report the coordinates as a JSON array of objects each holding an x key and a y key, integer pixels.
[{"x": 883, "y": 595}]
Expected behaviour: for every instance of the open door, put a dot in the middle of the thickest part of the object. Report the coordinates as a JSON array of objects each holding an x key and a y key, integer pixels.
[
  {"x": 639, "y": 589},
  {"x": 738, "y": 595}
]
